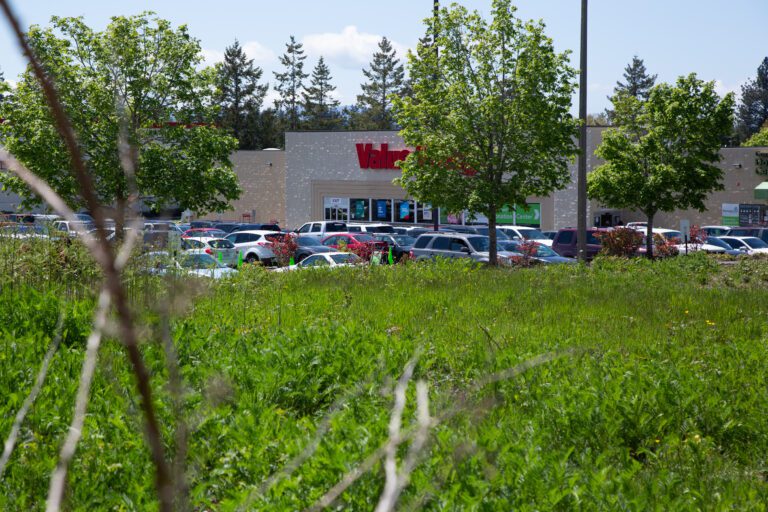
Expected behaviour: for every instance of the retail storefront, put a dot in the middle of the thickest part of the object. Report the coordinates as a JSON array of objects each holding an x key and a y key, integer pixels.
[{"x": 348, "y": 176}]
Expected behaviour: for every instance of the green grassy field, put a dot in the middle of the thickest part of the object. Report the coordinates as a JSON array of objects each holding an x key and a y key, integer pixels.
[{"x": 656, "y": 397}]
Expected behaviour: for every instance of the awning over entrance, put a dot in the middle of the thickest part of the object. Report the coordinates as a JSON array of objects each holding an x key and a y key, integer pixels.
[{"x": 761, "y": 191}]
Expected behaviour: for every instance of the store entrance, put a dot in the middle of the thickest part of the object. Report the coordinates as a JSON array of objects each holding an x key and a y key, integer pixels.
[
  {"x": 336, "y": 208},
  {"x": 607, "y": 220}
]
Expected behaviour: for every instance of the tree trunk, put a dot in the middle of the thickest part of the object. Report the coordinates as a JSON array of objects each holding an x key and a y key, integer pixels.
[
  {"x": 649, "y": 237},
  {"x": 120, "y": 206},
  {"x": 492, "y": 255}
]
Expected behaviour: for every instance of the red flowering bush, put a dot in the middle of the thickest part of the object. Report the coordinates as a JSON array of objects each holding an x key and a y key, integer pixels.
[
  {"x": 664, "y": 248},
  {"x": 365, "y": 251},
  {"x": 528, "y": 250},
  {"x": 697, "y": 238},
  {"x": 622, "y": 242},
  {"x": 284, "y": 248}
]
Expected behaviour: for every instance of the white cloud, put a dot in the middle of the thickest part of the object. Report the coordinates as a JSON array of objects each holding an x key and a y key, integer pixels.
[
  {"x": 722, "y": 88},
  {"x": 349, "y": 48},
  {"x": 211, "y": 57}
]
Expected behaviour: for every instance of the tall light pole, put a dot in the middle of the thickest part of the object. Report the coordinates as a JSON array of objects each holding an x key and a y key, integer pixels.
[
  {"x": 435, "y": 18},
  {"x": 581, "y": 203}
]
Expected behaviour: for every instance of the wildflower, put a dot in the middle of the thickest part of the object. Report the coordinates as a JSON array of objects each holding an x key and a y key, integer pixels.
[
  {"x": 686, "y": 311},
  {"x": 697, "y": 438},
  {"x": 657, "y": 441}
]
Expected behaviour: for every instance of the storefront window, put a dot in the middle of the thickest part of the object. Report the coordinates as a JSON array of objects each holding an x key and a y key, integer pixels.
[
  {"x": 404, "y": 211},
  {"x": 360, "y": 209},
  {"x": 382, "y": 210},
  {"x": 424, "y": 213},
  {"x": 336, "y": 208}
]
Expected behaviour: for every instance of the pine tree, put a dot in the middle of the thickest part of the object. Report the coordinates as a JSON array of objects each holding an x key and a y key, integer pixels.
[
  {"x": 240, "y": 95},
  {"x": 290, "y": 83},
  {"x": 320, "y": 109},
  {"x": 752, "y": 112},
  {"x": 386, "y": 76},
  {"x": 638, "y": 83}
]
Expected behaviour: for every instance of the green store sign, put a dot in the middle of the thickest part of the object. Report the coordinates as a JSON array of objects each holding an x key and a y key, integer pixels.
[{"x": 530, "y": 216}]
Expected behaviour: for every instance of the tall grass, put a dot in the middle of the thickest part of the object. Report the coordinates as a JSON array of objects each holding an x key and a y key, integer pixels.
[{"x": 663, "y": 406}]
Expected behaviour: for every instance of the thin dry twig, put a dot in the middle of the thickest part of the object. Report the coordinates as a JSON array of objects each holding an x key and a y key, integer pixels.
[
  {"x": 460, "y": 405},
  {"x": 103, "y": 253},
  {"x": 388, "y": 495},
  {"x": 30, "y": 400},
  {"x": 58, "y": 479}
]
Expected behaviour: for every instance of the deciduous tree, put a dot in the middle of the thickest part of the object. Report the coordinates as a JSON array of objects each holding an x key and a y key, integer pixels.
[
  {"x": 662, "y": 155},
  {"x": 138, "y": 76},
  {"x": 490, "y": 115}
]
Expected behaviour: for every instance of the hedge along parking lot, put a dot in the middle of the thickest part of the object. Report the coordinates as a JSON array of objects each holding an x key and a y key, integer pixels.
[{"x": 657, "y": 399}]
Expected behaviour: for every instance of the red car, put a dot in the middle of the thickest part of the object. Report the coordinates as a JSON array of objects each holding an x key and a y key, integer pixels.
[{"x": 361, "y": 244}]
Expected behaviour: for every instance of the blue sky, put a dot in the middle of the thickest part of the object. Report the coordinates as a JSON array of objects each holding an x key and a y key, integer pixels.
[{"x": 719, "y": 40}]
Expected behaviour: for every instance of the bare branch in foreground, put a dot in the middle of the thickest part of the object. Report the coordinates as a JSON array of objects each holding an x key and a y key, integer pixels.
[
  {"x": 27, "y": 405},
  {"x": 388, "y": 495},
  {"x": 461, "y": 405},
  {"x": 56, "y": 490}
]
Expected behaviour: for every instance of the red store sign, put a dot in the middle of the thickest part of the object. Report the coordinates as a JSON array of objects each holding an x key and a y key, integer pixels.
[{"x": 383, "y": 158}]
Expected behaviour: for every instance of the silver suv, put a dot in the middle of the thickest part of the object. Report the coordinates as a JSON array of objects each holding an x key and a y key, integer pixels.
[{"x": 456, "y": 245}]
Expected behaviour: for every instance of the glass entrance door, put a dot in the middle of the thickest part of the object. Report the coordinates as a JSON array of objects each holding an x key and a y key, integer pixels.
[{"x": 336, "y": 208}]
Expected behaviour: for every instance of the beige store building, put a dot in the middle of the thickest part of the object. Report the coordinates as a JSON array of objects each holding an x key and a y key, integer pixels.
[{"x": 348, "y": 176}]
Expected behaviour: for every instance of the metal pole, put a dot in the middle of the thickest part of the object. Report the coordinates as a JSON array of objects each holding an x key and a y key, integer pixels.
[
  {"x": 435, "y": 17},
  {"x": 581, "y": 207}
]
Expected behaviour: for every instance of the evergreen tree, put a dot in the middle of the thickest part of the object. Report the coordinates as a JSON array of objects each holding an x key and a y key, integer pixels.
[
  {"x": 290, "y": 83},
  {"x": 637, "y": 83},
  {"x": 386, "y": 76},
  {"x": 752, "y": 111},
  {"x": 270, "y": 129},
  {"x": 240, "y": 95},
  {"x": 320, "y": 109}
]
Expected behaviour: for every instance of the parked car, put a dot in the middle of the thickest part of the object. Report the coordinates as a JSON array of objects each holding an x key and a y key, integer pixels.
[
  {"x": 24, "y": 231},
  {"x": 204, "y": 233},
  {"x": 716, "y": 230},
  {"x": 72, "y": 228},
  {"x": 194, "y": 262},
  {"x": 526, "y": 233},
  {"x": 321, "y": 229},
  {"x": 401, "y": 244},
  {"x": 500, "y": 233},
  {"x": 565, "y": 243},
  {"x": 227, "y": 227},
  {"x": 256, "y": 227},
  {"x": 637, "y": 225},
  {"x": 254, "y": 246},
  {"x": 220, "y": 248},
  {"x": 307, "y": 246},
  {"x": 456, "y": 245},
  {"x": 325, "y": 260},
  {"x": 761, "y": 233},
  {"x": 713, "y": 240},
  {"x": 369, "y": 228},
  {"x": 549, "y": 234},
  {"x": 195, "y": 224},
  {"x": 361, "y": 243},
  {"x": 540, "y": 252},
  {"x": 413, "y": 231},
  {"x": 746, "y": 244}
]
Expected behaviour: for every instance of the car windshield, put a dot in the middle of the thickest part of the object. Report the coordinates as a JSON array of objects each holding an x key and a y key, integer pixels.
[
  {"x": 404, "y": 240},
  {"x": 540, "y": 251},
  {"x": 592, "y": 239},
  {"x": 221, "y": 244},
  {"x": 479, "y": 243},
  {"x": 345, "y": 258},
  {"x": 335, "y": 227},
  {"x": 533, "y": 234},
  {"x": 712, "y": 240},
  {"x": 211, "y": 233},
  {"x": 500, "y": 234},
  {"x": 754, "y": 243},
  {"x": 199, "y": 261},
  {"x": 380, "y": 229},
  {"x": 672, "y": 235},
  {"x": 364, "y": 238}
]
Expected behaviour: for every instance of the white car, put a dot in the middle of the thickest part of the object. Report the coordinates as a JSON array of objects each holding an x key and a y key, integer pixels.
[
  {"x": 194, "y": 262},
  {"x": 369, "y": 228},
  {"x": 220, "y": 248},
  {"x": 254, "y": 246},
  {"x": 526, "y": 233},
  {"x": 747, "y": 244},
  {"x": 325, "y": 260}
]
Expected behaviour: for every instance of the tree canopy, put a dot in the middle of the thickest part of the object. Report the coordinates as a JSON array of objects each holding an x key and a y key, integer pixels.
[
  {"x": 290, "y": 83},
  {"x": 240, "y": 95},
  {"x": 138, "y": 75},
  {"x": 637, "y": 83},
  {"x": 758, "y": 139},
  {"x": 490, "y": 115},
  {"x": 385, "y": 80},
  {"x": 662, "y": 155},
  {"x": 320, "y": 108},
  {"x": 752, "y": 112}
]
